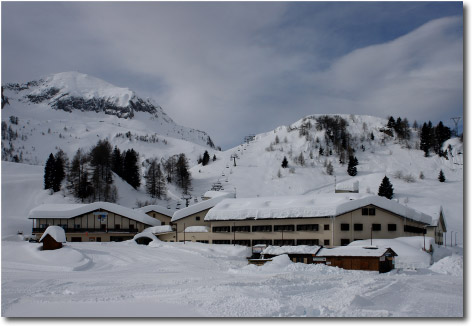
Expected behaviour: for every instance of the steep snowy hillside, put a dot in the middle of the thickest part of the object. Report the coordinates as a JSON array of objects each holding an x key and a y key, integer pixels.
[
  {"x": 71, "y": 110},
  {"x": 258, "y": 170}
]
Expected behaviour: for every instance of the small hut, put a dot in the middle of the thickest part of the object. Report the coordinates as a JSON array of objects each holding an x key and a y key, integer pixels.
[
  {"x": 370, "y": 258},
  {"x": 53, "y": 238}
]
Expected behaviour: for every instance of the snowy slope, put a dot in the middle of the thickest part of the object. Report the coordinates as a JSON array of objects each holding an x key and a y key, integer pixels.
[
  {"x": 72, "y": 110},
  {"x": 258, "y": 165}
]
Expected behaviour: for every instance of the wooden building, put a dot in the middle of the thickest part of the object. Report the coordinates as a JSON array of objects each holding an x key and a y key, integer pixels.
[
  {"x": 297, "y": 254},
  {"x": 358, "y": 258},
  {"x": 52, "y": 238},
  {"x": 95, "y": 222},
  {"x": 438, "y": 227}
]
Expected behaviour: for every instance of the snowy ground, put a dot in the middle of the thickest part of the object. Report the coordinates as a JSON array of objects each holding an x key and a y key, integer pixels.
[{"x": 126, "y": 279}]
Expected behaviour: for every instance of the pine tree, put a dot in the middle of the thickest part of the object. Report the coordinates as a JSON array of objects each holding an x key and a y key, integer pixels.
[
  {"x": 391, "y": 122},
  {"x": 329, "y": 168},
  {"x": 214, "y": 157},
  {"x": 117, "y": 162},
  {"x": 131, "y": 170},
  {"x": 59, "y": 170},
  {"x": 155, "y": 183},
  {"x": 301, "y": 159},
  {"x": 49, "y": 172},
  {"x": 351, "y": 166},
  {"x": 100, "y": 160},
  {"x": 182, "y": 173},
  {"x": 426, "y": 138},
  {"x": 206, "y": 158},
  {"x": 441, "y": 177},
  {"x": 386, "y": 188},
  {"x": 78, "y": 177},
  {"x": 285, "y": 162}
]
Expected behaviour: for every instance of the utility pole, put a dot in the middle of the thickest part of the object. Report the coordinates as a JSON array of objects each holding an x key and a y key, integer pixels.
[
  {"x": 184, "y": 233},
  {"x": 371, "y": 235},
  {"x": 424, "y": 239},
  {"x": 451, "y": 238},
  {"x": 455, "y": 241}
]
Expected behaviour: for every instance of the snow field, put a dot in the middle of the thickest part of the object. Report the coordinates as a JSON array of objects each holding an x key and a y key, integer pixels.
[{"x": 192, "y": 279}]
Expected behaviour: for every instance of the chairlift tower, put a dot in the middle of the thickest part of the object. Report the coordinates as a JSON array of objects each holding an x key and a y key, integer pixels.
[
  {"x": 187, "y": 198},
  {"x": 456, "y": 123},
  {"x": 234, "y": 157}
]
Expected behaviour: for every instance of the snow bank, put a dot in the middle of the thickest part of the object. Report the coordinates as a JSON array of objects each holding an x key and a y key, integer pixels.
[
  {"x": 56, "y": 232},
  {"x": 197, "y": 229},
  {"x": 276, "y": 250},
  {"x": 450, "y": 265},
  {"x": 158, "y": 229},
  {"x": 320, "y": 205}
]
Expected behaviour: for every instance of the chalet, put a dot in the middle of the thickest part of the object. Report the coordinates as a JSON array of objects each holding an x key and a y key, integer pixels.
[
  {"x": 358, "y": 258},
  {"x": 97, "y": 222},
  {"x": 53, "y": 238},
  {"x": 160, "y": 213},
  {"x": 329, "y": 220},
  {"x": 438, "y": 227}
]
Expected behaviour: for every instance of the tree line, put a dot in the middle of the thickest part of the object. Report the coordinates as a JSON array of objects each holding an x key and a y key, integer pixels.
[{"x": 89, "y": 176}]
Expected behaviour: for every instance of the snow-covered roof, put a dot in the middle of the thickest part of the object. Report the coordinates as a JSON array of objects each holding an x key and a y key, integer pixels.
[
  {"x": 276, "y": 250},
  {"x": 213, "y": 194},
  {"x": 198, "y": 207},
  {"x": 353, "y": 251},
  {"x": 56, "y": 232},
  {"x": 320, "y": 205},
  {"x": 435, "y": 212},
  {"x": 158, "y": 229},
  {"x": 156, "y": 208},
  {"x": 348, "y": 186},
  {"x": 197, "y": 228},
  {"x": 67, "y": 211}
]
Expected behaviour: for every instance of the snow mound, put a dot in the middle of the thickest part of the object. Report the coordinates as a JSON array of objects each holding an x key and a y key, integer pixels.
[
  {"x": 56, "y": 232},
  {"x": 450, "y": 265}
]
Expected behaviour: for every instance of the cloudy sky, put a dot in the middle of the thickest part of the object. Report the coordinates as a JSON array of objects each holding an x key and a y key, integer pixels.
[{"x": 233, "y": 69}]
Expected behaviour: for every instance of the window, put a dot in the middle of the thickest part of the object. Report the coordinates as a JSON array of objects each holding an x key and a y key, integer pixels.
[
  {"x": 163, "y": 223},
  {"x": 77, "y": 226},
  {"x": 103, "y": 227},
  {"x": 326, "y": 227},
  {"x": 202, "y": 241},
  {"x": 262, "y": 228},
  {"x": 266, "y": 242},
  {"x": 221, "y": 241},
  {"x": 326, "y": 242},
  {"x": 99, "y": 239},
  {"x": 284, "y": 228},
  {"x": 285, "y": 242},
  {"x": 308, "y": 242},
  {"x": 307, "y": 227},
  {"x": 358, "y": 227},
  {"x": 368, "y": 211},
  {"x": 414, "y": 229},
  {"x": 197, "y": 218},
  {"x": 76, "y": 239},
  {"x": 241, "y": 228},
  {"x": 131, "y": 226},
  {"x": 345, "y": 242},
  {"x": 344, "y": 227},
  {"x": 246, "y": 243},
  {"x": 392, "y": 227},
  {"x": 117, "y": 226},
  {"x": 376, "y": 227},
  {"x": 221, "y": 229}
]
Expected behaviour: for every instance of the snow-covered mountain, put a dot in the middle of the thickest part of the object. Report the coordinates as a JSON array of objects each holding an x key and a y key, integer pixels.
[
  {"x": 71, "y": 110},
  {"x": 37, "y": 125}
]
